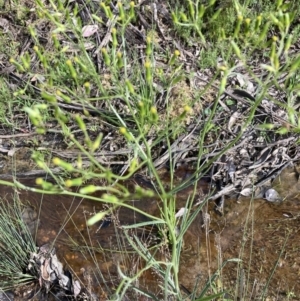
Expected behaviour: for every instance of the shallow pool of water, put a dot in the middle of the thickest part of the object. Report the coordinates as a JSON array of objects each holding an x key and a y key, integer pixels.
[{"x": 263, "y": 235}]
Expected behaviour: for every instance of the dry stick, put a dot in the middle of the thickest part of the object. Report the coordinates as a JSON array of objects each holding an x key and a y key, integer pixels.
[
  {"x": 110, "y": 24},
  {"x": 18, "y": 135}
]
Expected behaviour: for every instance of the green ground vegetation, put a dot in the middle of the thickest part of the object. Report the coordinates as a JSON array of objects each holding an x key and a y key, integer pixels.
[{"x": 81, "y": 82}]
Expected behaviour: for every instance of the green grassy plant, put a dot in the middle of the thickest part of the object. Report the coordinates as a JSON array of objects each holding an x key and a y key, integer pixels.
[
  {"x": 16, "y": 244},
  {"x": 127, "y": 91}
]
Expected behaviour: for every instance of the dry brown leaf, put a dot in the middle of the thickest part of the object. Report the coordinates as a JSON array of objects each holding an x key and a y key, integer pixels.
[{"x": 89, "y": 30}]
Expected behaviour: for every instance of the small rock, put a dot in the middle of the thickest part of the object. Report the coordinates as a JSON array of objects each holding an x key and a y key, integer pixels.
[{"x": 272, "y": 195}]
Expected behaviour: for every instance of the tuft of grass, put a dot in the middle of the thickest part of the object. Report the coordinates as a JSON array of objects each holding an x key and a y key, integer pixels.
[{"x": 16, "y": 245}]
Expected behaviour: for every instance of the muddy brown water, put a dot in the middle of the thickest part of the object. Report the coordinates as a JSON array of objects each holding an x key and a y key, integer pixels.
[{"x": 265, "y": 236}]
